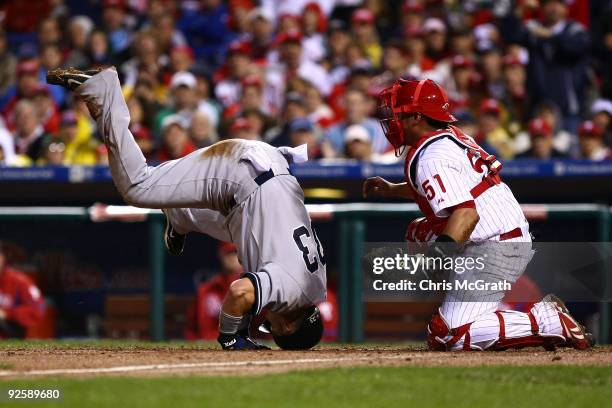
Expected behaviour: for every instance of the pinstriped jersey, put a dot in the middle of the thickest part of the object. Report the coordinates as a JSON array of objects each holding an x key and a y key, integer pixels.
[{"x": 444, "y": 168}]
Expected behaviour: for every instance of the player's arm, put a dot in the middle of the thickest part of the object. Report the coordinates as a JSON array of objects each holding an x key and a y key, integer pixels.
[
  {"x": 240, "y": 298},
  {"x": 380, "y": 186},
  {"x": 461, "y": 224},
  {"x": 234, "y": 317},
  {"x": 443, "y": 185}
]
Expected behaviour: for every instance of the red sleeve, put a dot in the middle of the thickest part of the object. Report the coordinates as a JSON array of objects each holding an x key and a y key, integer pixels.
[
  {"x": 29, "y": 307},
  {"x": 208, "y": 306}
]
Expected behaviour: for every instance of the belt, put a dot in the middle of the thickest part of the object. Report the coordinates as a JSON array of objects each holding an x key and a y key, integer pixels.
[
  {"x": 515, "y": 233},
  {"x": 263, "y": 177}
]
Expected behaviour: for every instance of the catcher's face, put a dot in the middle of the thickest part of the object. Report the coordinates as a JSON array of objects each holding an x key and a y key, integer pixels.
[{"x": 411, "y": 126}]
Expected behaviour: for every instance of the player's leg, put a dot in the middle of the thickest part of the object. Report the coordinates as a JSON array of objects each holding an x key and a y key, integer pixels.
[
  {"x": 202, "y": 220},
  {"x": 474, "y": 322},
  {"x": 181, "y": 221},
  {"x": 462, "y": 307},
  {"x": 547, "y": 324},
  {"x": 235, "y": 317},
  {"x": 186, "y": 182},
  {"x": 503, "y": 262}
]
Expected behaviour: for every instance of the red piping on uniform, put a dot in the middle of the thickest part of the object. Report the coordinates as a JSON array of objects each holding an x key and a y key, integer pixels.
[
  {"x": 465, "y": 204},
  {"x": 502, "y": 326},
  {"x": 515, "y": 233}
]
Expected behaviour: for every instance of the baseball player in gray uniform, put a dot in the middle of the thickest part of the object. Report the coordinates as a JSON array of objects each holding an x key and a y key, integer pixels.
[{"x": 240, "y": 191}]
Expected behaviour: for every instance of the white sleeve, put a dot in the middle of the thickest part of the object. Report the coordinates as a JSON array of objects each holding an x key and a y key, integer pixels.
[{"x": 442, "y": 184}]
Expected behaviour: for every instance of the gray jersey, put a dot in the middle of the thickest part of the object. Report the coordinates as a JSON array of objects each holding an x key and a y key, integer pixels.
[
  {"x": 275, "y": 238},
  {"x": 241, "y": 190}
]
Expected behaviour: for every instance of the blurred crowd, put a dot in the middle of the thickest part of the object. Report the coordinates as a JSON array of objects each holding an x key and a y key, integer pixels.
[{"x": 525, "y": 78}]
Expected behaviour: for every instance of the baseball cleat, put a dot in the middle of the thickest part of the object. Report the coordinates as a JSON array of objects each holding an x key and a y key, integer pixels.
[
  {"x": 238, "y": 342},
  {"x": 175, "y": 242},
  {"x": 574, "y": 332},
  {"x": 70, "y": 78}
]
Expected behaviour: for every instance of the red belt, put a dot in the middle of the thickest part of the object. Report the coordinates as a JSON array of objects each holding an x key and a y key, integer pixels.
[{"x": 515, "y": 233}]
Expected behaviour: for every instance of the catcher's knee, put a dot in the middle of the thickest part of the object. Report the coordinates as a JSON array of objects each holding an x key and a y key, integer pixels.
[{"x": 441, "y": 337}]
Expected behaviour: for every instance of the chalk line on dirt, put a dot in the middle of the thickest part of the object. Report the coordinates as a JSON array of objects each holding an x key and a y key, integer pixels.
[{"x": 147, "y": 367}]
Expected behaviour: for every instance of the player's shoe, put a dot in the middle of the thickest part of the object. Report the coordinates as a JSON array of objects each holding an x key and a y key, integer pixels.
[
  {"x": 70, "y": 78},
  {"x": 574, "y": 332},
  {"x": 175, "y": 242},
  {"x": 238, "y": 342}
]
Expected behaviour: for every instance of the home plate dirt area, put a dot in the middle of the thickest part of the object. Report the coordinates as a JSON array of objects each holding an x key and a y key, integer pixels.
[{"x": 39, "y": 362}]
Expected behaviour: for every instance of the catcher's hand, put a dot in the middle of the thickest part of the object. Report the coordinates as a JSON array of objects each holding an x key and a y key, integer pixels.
[
  {"x": 377, "y": 185},
  {"x": 419, "y": 230},
  {"x": 439, "y": 251}
]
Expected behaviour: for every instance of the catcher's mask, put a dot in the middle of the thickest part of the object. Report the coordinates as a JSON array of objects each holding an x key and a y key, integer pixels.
[
  {"x": 307, "y": 335},
  {"x": 407, "y": 97},
  {"x": 389, "y": 120}
]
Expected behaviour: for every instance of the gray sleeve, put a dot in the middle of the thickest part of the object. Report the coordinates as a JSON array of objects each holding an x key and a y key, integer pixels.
[{"x": 276, "y": 290}]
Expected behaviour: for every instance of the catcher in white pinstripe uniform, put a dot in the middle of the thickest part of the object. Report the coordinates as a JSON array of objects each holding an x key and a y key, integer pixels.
[{"x": 467, "y": 208}]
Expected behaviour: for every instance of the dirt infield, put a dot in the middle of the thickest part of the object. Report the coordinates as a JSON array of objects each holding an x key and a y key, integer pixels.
[{"x": 32, "y": 362}]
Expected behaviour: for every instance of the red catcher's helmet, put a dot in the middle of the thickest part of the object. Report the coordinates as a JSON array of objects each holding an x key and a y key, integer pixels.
[{"x": 409, "y": 96}]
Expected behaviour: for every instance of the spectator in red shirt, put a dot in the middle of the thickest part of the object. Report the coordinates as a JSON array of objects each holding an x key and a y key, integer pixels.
[
  {"x": 210, "y": 293},
  {"x": 21, "y": 303}
]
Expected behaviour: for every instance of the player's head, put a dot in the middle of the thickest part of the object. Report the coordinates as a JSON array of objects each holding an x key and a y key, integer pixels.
[
  {"x": 407, "y": 104},
  {"x": 300, "y": 330}
]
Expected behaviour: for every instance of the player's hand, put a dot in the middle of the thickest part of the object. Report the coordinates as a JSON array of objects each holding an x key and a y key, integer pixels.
[
  {"x": 439, "y": 251},
  {"x": 377, "y": 185},
  {"x": 2, "y": 314}
]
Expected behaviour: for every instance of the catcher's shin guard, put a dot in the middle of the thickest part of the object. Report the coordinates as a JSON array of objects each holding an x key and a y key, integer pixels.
[
  {"x": 500, "y": 330},
  {"x": 533, "y": 340},
  {"x": 440, "y": 337}
]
